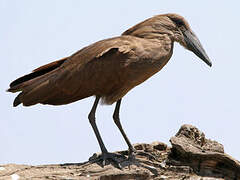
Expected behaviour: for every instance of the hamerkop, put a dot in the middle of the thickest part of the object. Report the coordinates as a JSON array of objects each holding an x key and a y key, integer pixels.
[{"x": 108, "y": 69}]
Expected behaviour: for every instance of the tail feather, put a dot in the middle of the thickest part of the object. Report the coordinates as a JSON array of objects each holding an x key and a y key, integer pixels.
[
  {"x": 17, "y": 100},
  {"x": 34, "y": 91},
  {"x": 16, "y": 84},
  {"x": 37, "y": 92},
  {"x": 34, "y": 86}
]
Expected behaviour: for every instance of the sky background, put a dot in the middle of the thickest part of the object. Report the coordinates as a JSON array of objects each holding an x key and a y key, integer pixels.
[{"x": 185, "y": 91}]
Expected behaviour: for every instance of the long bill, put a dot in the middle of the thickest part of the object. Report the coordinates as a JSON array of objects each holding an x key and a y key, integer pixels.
[{"x": 194, "y": 45}]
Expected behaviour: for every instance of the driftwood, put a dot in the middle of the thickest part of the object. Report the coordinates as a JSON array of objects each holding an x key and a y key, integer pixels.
[{"x": 191, "y": 156}]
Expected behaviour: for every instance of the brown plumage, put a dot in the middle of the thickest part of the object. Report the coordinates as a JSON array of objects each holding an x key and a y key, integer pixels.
[{"x": 109, "y": 68}]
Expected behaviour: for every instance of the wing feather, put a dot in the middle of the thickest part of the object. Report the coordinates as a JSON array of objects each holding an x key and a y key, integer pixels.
[
  {"x": 36, "y": 73},
  {"x": 49, "y": 84}
]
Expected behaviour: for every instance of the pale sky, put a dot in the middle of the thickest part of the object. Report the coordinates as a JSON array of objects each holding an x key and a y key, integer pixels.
[{"x": 185, "y": 91}]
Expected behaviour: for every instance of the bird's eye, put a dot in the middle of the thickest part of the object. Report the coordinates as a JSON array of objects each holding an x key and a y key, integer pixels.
[{"x": 178, "y": 22}]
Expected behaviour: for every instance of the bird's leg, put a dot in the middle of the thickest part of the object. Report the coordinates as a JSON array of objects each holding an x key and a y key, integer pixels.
[
  {"x": 105, "y": 154},
  {"x": 92, "y": 121},
  {"x": 132, "y": 150},
  {"x": 118, "y": 123}
]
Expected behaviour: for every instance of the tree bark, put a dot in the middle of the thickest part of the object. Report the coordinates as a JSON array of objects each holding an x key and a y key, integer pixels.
[{"x": 191, "y": 156}]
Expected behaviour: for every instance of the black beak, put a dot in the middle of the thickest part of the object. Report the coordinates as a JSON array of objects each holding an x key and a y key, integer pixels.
[{"x": 194, "y": 45}]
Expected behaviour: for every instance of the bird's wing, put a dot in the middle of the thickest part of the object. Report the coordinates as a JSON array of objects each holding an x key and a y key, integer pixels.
[
  {"x": 101, "y": 59},
  {"x": 81, "y": 57},
  {"x": 123, "y": 44},
  {"x": 62, "y": 79},
  {"x": 51, "y": 66}
]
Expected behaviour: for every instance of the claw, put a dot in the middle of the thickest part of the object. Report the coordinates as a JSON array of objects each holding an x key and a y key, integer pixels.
[{"x": 106, "y": 157}]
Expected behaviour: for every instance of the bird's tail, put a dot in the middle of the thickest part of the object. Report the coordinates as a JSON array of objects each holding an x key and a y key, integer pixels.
[{"x": 35, "y": 86}]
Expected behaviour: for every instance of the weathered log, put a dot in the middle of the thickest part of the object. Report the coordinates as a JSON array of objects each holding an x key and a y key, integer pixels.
[{"x": 191, "y": 156}]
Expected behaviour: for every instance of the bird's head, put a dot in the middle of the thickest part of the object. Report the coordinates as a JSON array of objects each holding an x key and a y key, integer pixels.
[{"x": 176, "y": 27}]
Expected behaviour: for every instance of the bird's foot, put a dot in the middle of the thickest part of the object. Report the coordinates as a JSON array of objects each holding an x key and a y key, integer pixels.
[{"x": 106, "y": 158}]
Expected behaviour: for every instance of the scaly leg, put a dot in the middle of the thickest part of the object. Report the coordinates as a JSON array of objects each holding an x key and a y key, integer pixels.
[
  {"x": 105, "y": 154},
  {"x": 132, "y": 150},
  {"x": 118, "y": 123}
]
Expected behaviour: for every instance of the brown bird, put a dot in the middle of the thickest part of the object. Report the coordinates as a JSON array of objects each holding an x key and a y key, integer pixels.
[{"x": 108, "y": 69}]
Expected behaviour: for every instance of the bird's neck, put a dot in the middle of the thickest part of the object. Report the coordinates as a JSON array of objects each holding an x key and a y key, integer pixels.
[
  {"x": 159, "y": 47},
  {"x": 164, "y": 40}
]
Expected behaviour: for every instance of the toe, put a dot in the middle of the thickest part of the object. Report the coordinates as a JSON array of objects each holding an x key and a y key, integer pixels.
[{"x": 107, "y": 158}]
